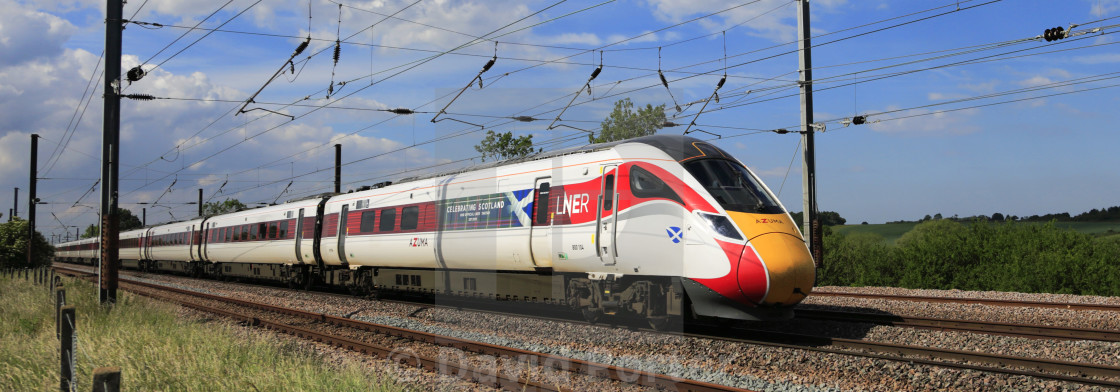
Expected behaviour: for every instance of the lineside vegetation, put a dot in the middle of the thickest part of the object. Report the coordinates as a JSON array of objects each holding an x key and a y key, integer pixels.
[
  {"x": 978, "y": 255},
  {"x": 157, "y": 349}
]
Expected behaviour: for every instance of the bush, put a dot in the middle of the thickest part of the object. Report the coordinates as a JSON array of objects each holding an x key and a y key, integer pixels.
[{"x": 943, "y": 254}]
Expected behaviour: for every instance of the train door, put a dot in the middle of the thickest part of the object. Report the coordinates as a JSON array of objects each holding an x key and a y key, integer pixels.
[
  {"x": 192, "y": 243},
  {"x": 342, "y": 233},
  {"x": 204, "y": 240},
  {"x": 540, "y": 242},
  {"x": 606, "y": 217},
  {"x": 299, "y": 236}
]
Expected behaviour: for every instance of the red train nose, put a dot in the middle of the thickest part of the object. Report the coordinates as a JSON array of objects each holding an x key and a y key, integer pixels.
[
  {"x": 753, "y": 279},
  {"x": 776, "y": 269}
]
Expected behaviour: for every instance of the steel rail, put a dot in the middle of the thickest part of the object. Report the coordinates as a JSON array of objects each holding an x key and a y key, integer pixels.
[
  {"x": 533, "y": 358},
  {"x": 918, "y": 354},
  {"x": 1034, "y": 331},
  {"x": 978, "y": 301}
]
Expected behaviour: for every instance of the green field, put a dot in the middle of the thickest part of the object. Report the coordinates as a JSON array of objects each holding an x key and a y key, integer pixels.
[
  {"x": 893, "y": 231},
  {"x": 158, "y": 349}
]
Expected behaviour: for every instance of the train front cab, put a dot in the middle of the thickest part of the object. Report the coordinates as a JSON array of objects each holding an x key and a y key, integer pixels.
[{"x": 771, "y": 269}]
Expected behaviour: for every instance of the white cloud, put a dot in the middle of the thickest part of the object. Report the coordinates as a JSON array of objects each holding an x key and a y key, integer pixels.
[
  {"x": 1104, "y": 58},
  {"x": 776, "y": 26},
  {"x": 27, "y": 34},
  {"x": 925, "y": 122}
]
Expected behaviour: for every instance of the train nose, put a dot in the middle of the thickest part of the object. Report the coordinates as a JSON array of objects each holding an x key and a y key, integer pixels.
[{"x": 785, "y": 263}]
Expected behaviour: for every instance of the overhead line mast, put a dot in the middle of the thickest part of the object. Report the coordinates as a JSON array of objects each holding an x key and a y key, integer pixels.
[
  {"x": 110, "y": 154},
  {"x": 811, "y": 227}
]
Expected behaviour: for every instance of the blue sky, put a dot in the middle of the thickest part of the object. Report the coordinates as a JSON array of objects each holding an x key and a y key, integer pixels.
[{"x": 936, "y": 80}]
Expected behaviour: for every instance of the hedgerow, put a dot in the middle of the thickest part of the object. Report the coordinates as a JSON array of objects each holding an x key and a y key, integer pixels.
[{"x": 943, "y": 254}]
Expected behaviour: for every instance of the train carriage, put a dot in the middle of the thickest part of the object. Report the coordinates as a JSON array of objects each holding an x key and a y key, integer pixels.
[{"x": 663, "y": 227}]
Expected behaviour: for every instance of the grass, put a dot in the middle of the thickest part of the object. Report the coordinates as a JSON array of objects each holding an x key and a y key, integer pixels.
[
  {"x": 158, "y": 350},
  {"x": 893, "y": 231}
]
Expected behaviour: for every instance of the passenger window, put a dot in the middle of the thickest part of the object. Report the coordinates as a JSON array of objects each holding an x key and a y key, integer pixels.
[
  {"x": 272, "y": 230},
  {"x": 253, "y": 232},
  {"x": 226, "y": 233},
  {"x": 388, "y": 219},
  {"x": 367, "y": 221},
  {"x": 283, "y": 230},
  {"x": 245, "y": 232},
  {"x": 644, "y": 184},
  {"x": 542, "y": 204},
  {"x": 409, "y": 217},
  {"x": 608, "y": 193}
]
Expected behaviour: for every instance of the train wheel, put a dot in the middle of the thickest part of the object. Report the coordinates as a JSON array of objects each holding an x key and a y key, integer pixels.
[
  {"x": 592, "y": 315},
  {"x": 666, "y": 323}
]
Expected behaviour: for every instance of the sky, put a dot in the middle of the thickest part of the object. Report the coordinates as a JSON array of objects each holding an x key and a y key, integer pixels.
[{"x": 968, "y": 111}]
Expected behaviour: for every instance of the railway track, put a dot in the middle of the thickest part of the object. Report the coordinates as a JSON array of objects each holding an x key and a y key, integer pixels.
[
  {"x": 492, "y": 378},
  {"x": 1073, "y": 372},
  {"x": 1033, "y": 331},
  {"x": 979, "y": 301}
]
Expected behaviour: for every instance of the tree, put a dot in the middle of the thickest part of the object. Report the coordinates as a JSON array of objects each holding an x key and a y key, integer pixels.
[
  {"x": 126, "y": 221},
  {"x": 13, "y": 246},
  {"x": 828, "y": 218},
  {"x": 623, "y": 123},
  {"x": 937, "y": 216},
  {"x": 225, "y": 206},
  {"x": 998, "y": 217},
  {"x": 500, "y": 146}
]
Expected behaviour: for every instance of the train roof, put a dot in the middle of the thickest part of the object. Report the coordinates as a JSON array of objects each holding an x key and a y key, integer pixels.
[{"x": 679, "y": 147}]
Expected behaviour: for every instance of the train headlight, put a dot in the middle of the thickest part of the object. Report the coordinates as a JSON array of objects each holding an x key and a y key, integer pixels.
[{"x": 722, "y": 225}]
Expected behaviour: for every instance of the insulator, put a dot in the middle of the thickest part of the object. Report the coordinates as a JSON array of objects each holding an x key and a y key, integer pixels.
[
  {"x": 663, "y": 81},
  {"x": 135, "y": 74},
  {"x": 721, "y": 82},
  {"x": 140, "y": 97},
  {"x": 488, "y": 65},
  {"x": 782, "y": 131},
  {"x": 857, "y": 120},
  {"x": 337, "y": 50},
  {"x": 717, "y": 97},
  {"x": 330, "y": 89},
  {"x": 669, "y": 124},
  {"x": 302, "y": 46},
  {"x": 401, "y": 111},
  {"x": 293, "y": 67},
  {"x": 595, "y": 73},
  {"x": 524, "y": 118}
]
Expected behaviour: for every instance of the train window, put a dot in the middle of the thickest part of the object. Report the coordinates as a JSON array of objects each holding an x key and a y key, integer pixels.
[
  {"x": 415, "y": 280},
  {"x": 400, "y": 278},
  {"x": 542, "y": 203},
  {"x": 244, "y": 232},
  {"x": 255, "y": 229},
  {"x": 608, "y": 193},
  {"x": 388, "y": 219},
  {"x": 283, "y": 230},
  {"x": 409, "y": 217},
  {"x": 644, "y": 184},
  {"x": 368, "y": 218},
  {"x": 272, "y": 230},
  {"x": 470, "y": 284},
  {"x": 733, "y": 186},
  {"x": 226, "y": 234}
]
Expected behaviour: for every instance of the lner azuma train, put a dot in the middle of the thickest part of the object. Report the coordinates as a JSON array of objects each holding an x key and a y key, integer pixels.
[{"x": 659, "y": 227}]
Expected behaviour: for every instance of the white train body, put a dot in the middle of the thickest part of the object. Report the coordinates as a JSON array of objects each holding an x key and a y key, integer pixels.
[{"x": 632, "y": 226}]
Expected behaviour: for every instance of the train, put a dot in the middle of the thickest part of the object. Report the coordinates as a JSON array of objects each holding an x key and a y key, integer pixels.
[{"x": 661, "y": 227}]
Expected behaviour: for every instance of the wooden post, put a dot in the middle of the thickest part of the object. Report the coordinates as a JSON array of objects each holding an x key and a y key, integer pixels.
[
  {"x": 107, "y": 379},
  {"x": 59, "y": 302},
  {"x": 66, "y": 344}
]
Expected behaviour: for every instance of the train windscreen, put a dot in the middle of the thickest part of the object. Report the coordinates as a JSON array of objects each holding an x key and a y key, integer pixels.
[{"x": 733, "y": 186}]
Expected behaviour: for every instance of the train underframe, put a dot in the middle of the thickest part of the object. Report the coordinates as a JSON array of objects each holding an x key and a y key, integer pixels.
[{"x": 660, "y": 300}]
